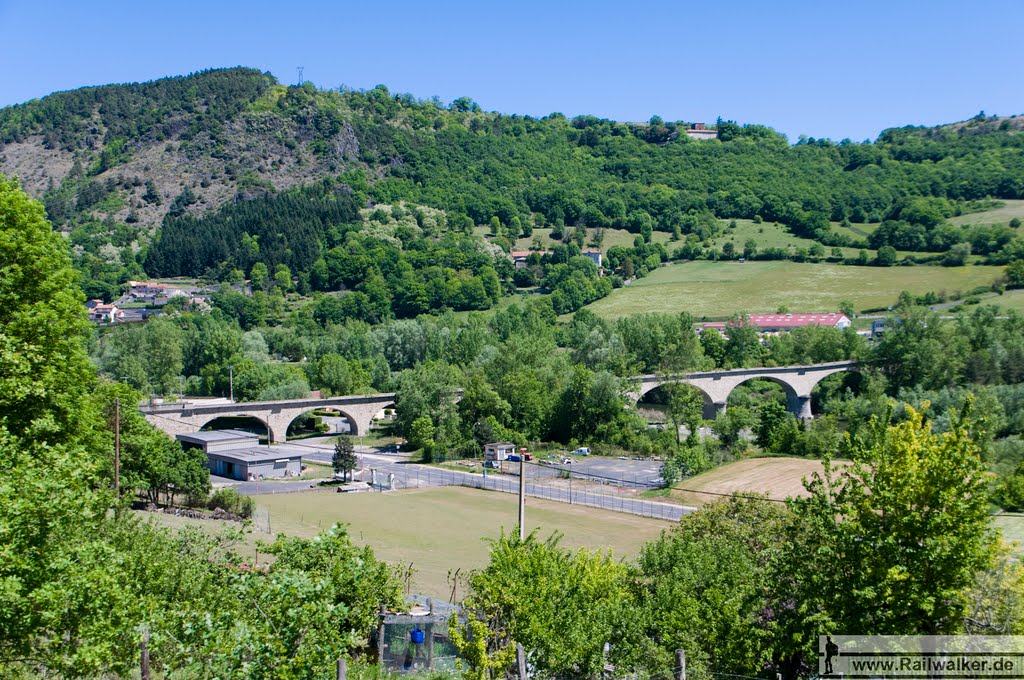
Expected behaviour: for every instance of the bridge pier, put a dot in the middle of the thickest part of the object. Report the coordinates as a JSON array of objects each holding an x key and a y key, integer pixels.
[
  {"x": 800, "y": 406},
  {"x": 712, "y": 409}
]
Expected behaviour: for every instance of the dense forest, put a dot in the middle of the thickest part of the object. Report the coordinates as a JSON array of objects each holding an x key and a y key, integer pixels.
[{"x": 231, "y": 168}]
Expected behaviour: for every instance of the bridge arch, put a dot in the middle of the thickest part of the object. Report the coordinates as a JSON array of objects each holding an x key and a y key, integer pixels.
[
  {"x": 343, "y": 423},
  {"x": 796, "y": 404},
  {"x": 205, "y": 420},
  {"x": 647, "y": 389}
]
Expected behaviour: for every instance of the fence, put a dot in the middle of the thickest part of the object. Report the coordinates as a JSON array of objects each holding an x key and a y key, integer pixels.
[{"x": 418, "y": 476}]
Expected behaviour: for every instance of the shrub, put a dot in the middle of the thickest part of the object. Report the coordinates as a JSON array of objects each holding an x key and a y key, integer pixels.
[{"x": 230, "y": 500}]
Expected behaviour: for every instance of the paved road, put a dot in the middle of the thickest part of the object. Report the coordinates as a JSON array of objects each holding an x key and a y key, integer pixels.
[{"x": 413, "y": 475}]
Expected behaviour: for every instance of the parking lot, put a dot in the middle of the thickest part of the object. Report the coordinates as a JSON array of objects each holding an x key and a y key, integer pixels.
[{"x": 627, "y": 471}]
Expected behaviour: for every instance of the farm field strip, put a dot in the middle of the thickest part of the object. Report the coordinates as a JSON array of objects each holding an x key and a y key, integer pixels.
[{"x": 776, "y": 478}]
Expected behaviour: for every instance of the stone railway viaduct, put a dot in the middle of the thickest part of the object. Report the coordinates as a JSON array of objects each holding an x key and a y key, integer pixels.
[
  {"x": 798, "y": 381},
  {"x": 275, "y": 415}
]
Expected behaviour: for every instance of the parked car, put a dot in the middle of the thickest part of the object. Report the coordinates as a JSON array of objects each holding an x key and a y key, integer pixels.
[
  {"x": 582, "y": 451},
  {"x": 493, "y": 464}
]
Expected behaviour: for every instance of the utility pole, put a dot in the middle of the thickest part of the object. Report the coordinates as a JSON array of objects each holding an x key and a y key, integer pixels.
[
  {"x": 231, "y": 383},
  {"x": 117, "y": 446},
  {"x": 522, "y": 497}
]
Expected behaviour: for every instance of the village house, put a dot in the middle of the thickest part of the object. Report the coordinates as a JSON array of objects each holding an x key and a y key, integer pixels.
[
  {"x": 155, "y": 293},
  {"x": 594, "y": 255},
  {"x": 700, "y": 131},
  {"x": 519, "y": 257},
  {"x": 104, "y": 313}
]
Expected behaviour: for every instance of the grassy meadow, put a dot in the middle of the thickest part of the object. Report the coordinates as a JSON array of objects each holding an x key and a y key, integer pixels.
[
  {"x": 1011, "y": 209},
  {"x": 438, "y": 529},
  {"x": 1010, "y": 300},
  {"x": 774, "y": 235},
  {"x": 720, "y": 289}
]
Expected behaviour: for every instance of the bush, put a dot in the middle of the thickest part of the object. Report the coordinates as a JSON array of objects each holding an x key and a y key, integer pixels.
[{"x": 231, "y": 501}]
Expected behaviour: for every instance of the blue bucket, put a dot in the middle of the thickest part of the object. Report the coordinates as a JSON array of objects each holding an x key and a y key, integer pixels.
[{"x": 416, "y": 635}]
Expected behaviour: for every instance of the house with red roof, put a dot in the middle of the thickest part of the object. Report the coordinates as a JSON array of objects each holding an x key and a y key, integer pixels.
[{"x": 104, "y": 313}]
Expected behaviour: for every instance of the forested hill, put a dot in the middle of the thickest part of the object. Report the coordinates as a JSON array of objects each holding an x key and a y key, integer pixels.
[{"x": 113, "y": 163}]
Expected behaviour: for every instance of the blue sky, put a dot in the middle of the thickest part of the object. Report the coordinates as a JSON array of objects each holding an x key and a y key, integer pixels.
[{"x": 819, "y": 68}]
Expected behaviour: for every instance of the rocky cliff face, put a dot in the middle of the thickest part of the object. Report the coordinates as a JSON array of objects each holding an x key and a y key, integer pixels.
[{"x": 249, "y": 155}]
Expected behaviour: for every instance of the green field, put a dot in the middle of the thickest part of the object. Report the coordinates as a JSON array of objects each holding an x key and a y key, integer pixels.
[
  {"x": 773, "y": 235},
  {"x": 1012, "y": 528},
  {"x": 857, "y": 231},
  {"x": 1013, "y": 299},
  {"x": 1010, "y": 300},
  {"x": 445, "y": 528},
  {"x": 720, "y": 289},
  {"x": 766, "y": 234},
  {"x": 1013, "y": 208}
]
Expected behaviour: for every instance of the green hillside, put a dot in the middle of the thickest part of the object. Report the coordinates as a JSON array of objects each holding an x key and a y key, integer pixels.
[{"x": 211, "y": 173}]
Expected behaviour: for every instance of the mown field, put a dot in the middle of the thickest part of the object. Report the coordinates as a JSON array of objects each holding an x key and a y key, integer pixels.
[
  {"x": 720, "y": 289},
  {"x": 857, "y": 231},
  {"x": 777, "y": 478},
  {"x": 447, "y": 528}
]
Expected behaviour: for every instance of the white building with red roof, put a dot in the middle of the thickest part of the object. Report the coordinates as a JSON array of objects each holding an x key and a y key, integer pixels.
[{"x": 776, "y": 323}]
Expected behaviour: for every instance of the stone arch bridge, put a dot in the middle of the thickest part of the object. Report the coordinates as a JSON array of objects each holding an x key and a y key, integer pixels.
[
  {"x": 275, "y": 415},
  {"x": 798, "y": 381}
]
